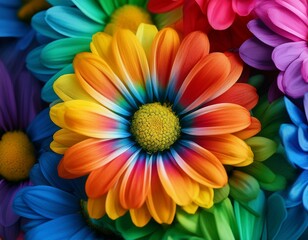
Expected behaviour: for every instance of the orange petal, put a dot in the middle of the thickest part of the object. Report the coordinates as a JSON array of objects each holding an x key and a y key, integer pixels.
[
  {"x": 240, "y": 93},
  {"x": 98, "y": 79},
  {"x": 160, "y": 205},
  {"x": 178, "y": 185},
  {"x": 216, "y": 119},
  {"x": 186, "y": 59},
  {"x": 164, "y": 49},
  {"x": 91, "y": 154},
  {"x": 114, "y": 209},
  {"x": 140, "y": 216},
  {"x": 115, "y": 164},
  {"x": 206, "y": 80},
  {"x": 136, "y": 182},
  {"x": 200, "y": 164},
  {"x": 89, "y": 119},
  {"x": 96, "y": 207},
  {"x": 131, "y": 63},
  {"x": 228, "y": 148},
  {"x": 64, "y": 139},
  {"x": 253, "y": 129}
]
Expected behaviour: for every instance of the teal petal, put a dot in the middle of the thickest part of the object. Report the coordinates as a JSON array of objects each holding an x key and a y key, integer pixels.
[
  {"x": 71, "y": 22},
  {"x": 39, "y": 23},
  {"x": 48, "y": 94},
  {"x": 34, "y": 64},
  {"x": 255, "y": 206},
  {"x": 250, "y": 226},
  {"x": 277, "y": 214},
  {"x": 61, "y": 2},
  {"x": 59, "y": 53},
  {"x": 92, "y": 10}
]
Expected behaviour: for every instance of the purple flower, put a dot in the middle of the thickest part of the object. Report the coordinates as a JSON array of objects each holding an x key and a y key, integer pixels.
[
  {"x": 280, "y": 42},
  {"x": 22, "y": 134}
]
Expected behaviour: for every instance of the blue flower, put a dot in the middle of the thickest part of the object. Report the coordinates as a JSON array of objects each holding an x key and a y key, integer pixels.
[{"x": 55, "y": 207}]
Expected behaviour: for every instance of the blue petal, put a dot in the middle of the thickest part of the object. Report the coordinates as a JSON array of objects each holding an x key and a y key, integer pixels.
[
  {"x": 39, "y": 23},
  {"x": 11, "y": 3},
  {"x": 295, "y": 194},
  {"x": 295, "y": 224},
  {"x": 303, "y": 137},
  {"x": 305, "y": 198},
  {"x": 48, "y": 94},
  {"x": 60, "y": 203},
  {"x": 289, "y": 136},
  {"x": 60, "y": 228},
  {"x": 11, "y": 28},
  {"x": 41, "y": 127},
  {"x": 71, "y": 22},
  {"x": 33, "y": 223},
  {"x": 276, "y": 214},
  {"x": 296, "y": 115},
  {"x": 21, "y": 207},
  {"x": 36, "y": 176},
  {"x": 84, "y": 233}
]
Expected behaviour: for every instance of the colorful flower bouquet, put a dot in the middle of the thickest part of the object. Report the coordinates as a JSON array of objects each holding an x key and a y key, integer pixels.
[{"x": 159, "y": 119}]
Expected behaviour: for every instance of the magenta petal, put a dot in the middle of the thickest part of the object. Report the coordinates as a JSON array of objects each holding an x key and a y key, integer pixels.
[
  {"x": 220, "y": 14},
  {"x": 293, "y": 82},
  {"x": 243, "y": 7},
  {"x": 290, "y": 25},
  {"x": 264, "y": 34},
  {"x": 286, "y": 53},
  {"x": 257, "y": 54}
]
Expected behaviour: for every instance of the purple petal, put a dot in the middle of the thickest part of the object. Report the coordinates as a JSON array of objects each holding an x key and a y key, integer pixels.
[
  {"x": 274, "y": 92},
  {"x": 306, "y": 105},
  {"x": 293, "y": 82},
  {"x": 264, "y": 34},
  {"x": 8, "y": 112},
  {"x": 284, "y": 54},
  {"x": 304, "y": 70},
  {"x": 8, "y": 191},
  {"x": 29, "y": 101},
  {"x": 10, "y": 232},
  {"x": 257, "y": 54}
]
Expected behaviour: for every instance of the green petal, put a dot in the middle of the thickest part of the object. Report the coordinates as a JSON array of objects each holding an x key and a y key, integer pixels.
[
  {"x": 129, "y": 231},
  {"x": 260, "y": 171},
  {"x": 58, "y": 54},
  {"x": 243, "y": 187},
  {"x": 221, "y": 193},
  {"x": 208, "y": 225},
  {"x": 225, "y": 220},
  {"x": 178, "y": 233},
  {"x": 108, "y": 6},
  {"x": 188, "y": 221},
  {"x": 262, "y": 147},
  {"x": 255, "y": 206},
  {"x": 279, "y": 183}
]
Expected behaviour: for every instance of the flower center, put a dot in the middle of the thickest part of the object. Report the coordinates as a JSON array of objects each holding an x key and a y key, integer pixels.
[
  {"x": 17, "y": 156},
  {"x": 31, "y": 7},
  {"x": 128, "y": 17},
  {"x": 155, "y": 127}
]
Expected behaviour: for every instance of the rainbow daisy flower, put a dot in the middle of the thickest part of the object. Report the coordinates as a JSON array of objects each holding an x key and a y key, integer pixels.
[{"x": 152, "y": 123}]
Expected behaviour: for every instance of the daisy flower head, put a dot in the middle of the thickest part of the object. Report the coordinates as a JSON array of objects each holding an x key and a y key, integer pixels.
[
  {"x": 24, "y": 133},
  {"x": 67, "y": 27},
  {"x": 152, "y": 122},
  {"x": 280, "y": 42}
]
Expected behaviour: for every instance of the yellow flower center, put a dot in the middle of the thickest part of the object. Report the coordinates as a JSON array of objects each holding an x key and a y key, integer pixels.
[
  {"x": 128, "y": 17},
  {"x": 17, "y": 156},
  {"x": 155, "y": 127},
  {"x": 31, "y": 7}
]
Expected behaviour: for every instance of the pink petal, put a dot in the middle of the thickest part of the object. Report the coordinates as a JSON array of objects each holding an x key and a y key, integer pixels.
[
  {"x": 220, "y": 14},
  {"x": 243, "y": 7}
]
